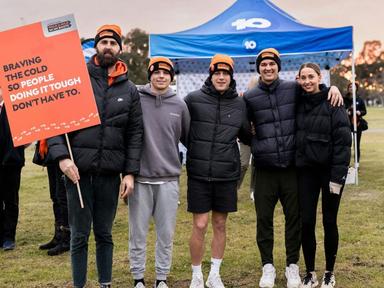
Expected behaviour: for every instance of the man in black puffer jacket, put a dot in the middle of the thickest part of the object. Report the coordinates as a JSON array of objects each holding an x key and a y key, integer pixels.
[
  {"x": 101, "y": 153},
  {"x": 218, "y": 117}
]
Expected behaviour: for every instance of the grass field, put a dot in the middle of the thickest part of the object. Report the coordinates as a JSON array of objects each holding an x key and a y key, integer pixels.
[{"x": 360, "y": 261}]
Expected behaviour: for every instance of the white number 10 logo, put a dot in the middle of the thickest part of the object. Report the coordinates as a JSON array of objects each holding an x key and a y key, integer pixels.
[{"x": 243, "y": 23}]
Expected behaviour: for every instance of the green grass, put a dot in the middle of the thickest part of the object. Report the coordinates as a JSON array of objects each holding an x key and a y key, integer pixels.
[{"x": 360, "y": 261}]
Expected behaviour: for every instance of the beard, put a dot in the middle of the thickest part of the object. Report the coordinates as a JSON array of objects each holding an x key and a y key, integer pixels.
[{"x": 106, "y": 58}]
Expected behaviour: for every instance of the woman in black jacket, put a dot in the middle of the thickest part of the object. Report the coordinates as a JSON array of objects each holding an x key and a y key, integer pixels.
[
  {"x": 360, "y": 112},
  {"x": 323, "y": 141}
]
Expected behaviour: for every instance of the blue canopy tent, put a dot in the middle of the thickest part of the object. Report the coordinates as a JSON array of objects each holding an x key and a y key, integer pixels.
[
  {"x": 247, "y": 27},
  {"x": 242, "y": 31}
]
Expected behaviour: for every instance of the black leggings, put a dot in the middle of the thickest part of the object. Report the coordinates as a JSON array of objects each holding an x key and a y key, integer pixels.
[
  {"x": 311, "y": 180},
  {"x": 358, "y": 139}
]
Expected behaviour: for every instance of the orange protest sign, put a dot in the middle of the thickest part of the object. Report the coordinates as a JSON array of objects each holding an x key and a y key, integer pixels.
[{"x": 45, "y": 82}]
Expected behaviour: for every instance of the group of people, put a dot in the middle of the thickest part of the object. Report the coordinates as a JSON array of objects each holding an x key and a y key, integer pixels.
[{"x": 300, "y": 140}]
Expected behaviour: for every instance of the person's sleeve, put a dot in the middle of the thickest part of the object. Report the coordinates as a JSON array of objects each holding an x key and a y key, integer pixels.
[
  {"x": 249, "y": 113},
  {"x": 188, "y": 100},
  {"x": 363, "y": 109},
  {"x": 245, "y": 134},
  {"x": 185, "y": 122},
  {"x": 57, "y": 148},
  {"x": 133, "y": 136},
  {"x": 298, "y": 92},
  {"x": 341, "y": 141}
]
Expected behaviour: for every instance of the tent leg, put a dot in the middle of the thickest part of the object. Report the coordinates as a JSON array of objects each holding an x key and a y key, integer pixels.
[{"x": 354, "y": 119}]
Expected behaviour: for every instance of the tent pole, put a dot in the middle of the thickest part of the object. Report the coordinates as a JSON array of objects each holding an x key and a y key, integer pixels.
[{"x": 354, "y": 119}]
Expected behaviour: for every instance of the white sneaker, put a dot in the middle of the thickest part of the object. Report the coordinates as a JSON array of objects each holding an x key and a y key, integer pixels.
[
  {"x": 329, "y": 280},
  {"x": 310, "y": 280},
  {"x": 293, "y": 276},
  {"x": 214, "y": 281},
  {"x": 197, "y": 281},
  {"x": 267, "y": 280},
  {"x": 161, "y": 285},
  {"x": 139, "y": 285}
]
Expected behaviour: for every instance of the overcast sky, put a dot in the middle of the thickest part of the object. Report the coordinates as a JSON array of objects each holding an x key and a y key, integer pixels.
[{"x": 166, "y": 16}]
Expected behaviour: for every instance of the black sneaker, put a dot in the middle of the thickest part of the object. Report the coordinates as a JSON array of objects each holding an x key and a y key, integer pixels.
[
  {"x": 329, "y": 280},
  {"x": 9, "y": 245},
  {"x": 310, "y": 280}
]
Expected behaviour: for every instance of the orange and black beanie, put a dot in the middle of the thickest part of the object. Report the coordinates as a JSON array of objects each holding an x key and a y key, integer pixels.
[
  {"x": 109, "y": 31},
  {"x": 221, "y": 62},
  {"x": 269, "y": 53},
  {"x": 160, "y": 63}
]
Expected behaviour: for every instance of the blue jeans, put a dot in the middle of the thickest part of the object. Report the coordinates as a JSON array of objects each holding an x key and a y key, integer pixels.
[{"x": 100, "y": 196}]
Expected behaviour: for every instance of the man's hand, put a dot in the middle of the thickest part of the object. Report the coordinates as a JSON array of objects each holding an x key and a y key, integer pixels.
[
  {"x": 126, "y": 186},
  {"x": 70, "y": 170},
  {"x": 335, "y": 97}
]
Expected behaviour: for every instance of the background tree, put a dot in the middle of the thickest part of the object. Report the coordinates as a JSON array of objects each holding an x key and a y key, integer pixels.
[
  {"x": 369, "y": 72},
  {"x": 135, "y": 54}
]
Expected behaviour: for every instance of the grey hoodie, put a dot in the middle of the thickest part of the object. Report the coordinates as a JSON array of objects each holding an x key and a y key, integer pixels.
[{"x": 166, "y": 122}]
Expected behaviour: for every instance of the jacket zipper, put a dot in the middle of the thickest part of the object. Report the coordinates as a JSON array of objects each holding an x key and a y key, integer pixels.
[{"x": 217, "y": 122}]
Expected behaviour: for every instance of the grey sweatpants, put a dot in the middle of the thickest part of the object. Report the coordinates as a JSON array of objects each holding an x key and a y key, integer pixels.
[{"x": 159, "y": 201}]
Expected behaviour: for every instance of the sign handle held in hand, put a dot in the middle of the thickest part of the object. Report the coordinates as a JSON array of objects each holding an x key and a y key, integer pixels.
[{"x": 77, "y": 184}]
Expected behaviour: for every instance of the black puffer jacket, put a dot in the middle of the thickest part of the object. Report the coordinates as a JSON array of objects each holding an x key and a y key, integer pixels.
[
  {"x": 360, "y": 106},
  {"x": 272, "y": 109},
  {"x": 323, "y": 136},
  {"x": 114, "y": 146},
  {"x": 9, "y": 155},
  {"x": 216, "y": 122}
]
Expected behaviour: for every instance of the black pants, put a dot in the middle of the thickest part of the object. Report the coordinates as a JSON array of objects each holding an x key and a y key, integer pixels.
[
  {"x": 9, "y": 201},
  {"x": 358, "y": 138},
  {"x": 271, "y": 186},
  {"x": 311, "y": 180},
  {"x": 58, "y": 195}
]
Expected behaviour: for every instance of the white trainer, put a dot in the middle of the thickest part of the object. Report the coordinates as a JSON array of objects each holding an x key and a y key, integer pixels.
[
  {"x": 214, "y": 281},
  {"x": 267, "y": 280},
  {"x": 139, "y": 285},
  {"x": 310, "y": 280},
  {"x": 293, "y": 276},
  {"x": 329, "y": 280},
  {"x": 197, "y": 281},
  {"x": 162, "y": 284}
]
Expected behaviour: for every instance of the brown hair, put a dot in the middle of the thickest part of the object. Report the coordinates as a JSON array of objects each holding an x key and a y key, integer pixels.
[{"x": 313, "y": 66}]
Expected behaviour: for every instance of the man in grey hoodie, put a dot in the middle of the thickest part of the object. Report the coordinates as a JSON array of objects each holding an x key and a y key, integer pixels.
[{"x": 156, "y": 192}]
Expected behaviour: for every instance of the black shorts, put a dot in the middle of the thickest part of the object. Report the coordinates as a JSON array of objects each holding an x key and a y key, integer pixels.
[{"x": 204, "y": 196}]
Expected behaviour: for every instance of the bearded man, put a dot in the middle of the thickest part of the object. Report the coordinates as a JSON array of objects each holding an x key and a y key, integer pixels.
[{"x": 101, "y": 154}]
